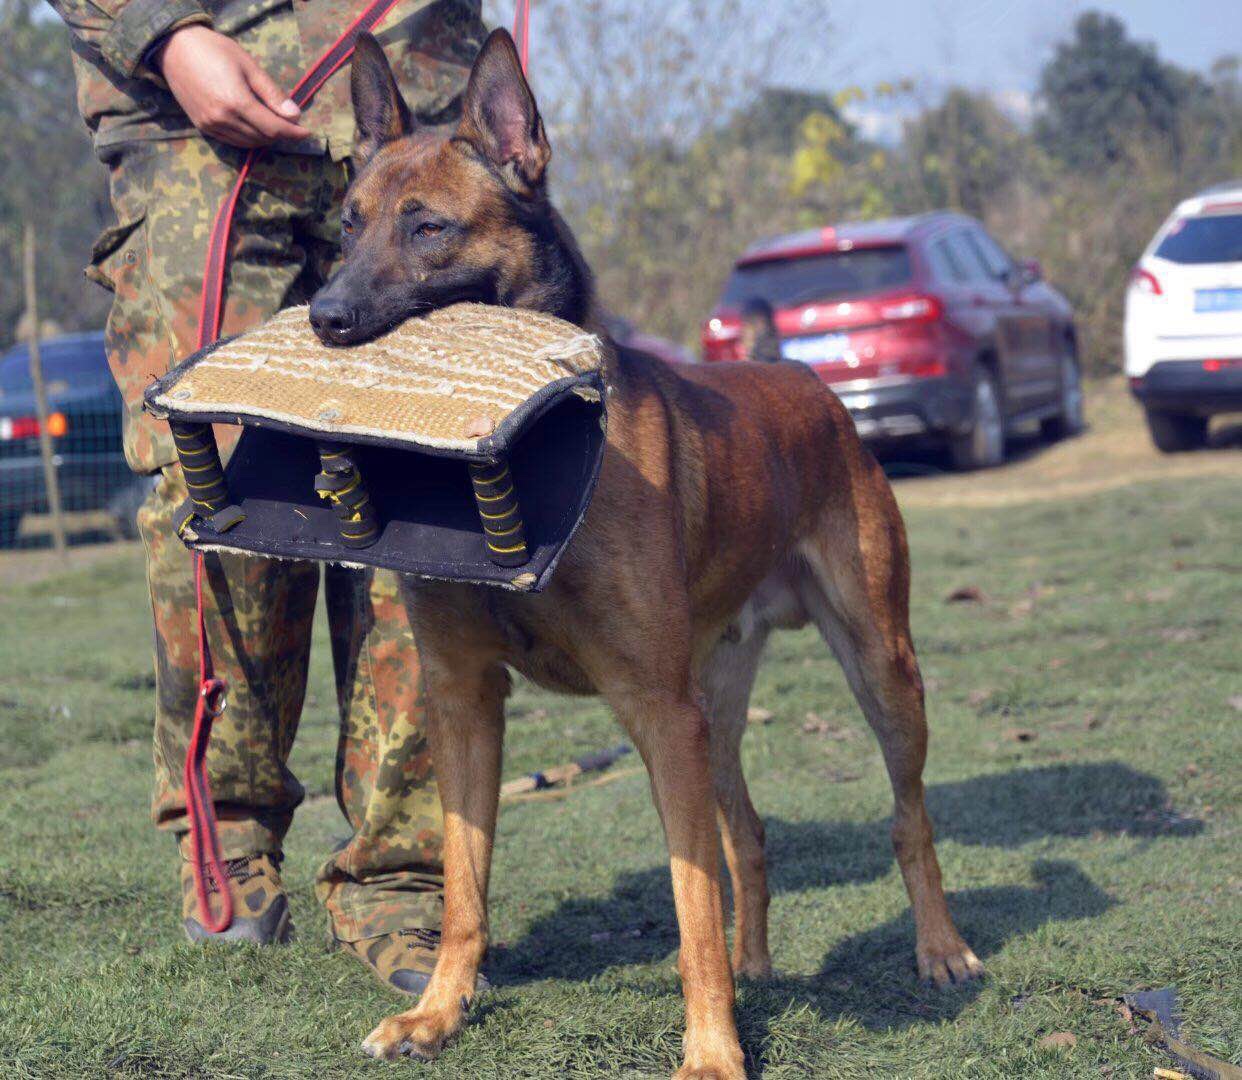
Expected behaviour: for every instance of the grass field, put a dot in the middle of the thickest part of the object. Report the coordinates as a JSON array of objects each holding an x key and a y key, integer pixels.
[{"x": 1084, "y": 777}]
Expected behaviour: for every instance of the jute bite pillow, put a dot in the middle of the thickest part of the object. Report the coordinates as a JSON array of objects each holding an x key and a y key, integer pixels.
[
  {"x": 462, "y": 445},
  {"x": 434, "y": 380}
]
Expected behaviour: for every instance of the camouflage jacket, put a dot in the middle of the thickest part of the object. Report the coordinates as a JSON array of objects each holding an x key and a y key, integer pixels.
[{"x": 430, "y": 44}]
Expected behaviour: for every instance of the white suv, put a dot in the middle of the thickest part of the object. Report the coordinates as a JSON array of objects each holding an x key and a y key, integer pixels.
[{"x": 1184, "y": 319}]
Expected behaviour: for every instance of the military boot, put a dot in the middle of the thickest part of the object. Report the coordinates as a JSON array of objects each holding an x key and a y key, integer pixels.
[
  {"x": 260, "y": 906},
  {"x": 403, "y": 960}
]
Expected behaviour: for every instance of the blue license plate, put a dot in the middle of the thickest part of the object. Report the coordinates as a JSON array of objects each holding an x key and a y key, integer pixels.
[
  {"x": 1218, "y": 300},
  {"x": 820, "y": 349}
]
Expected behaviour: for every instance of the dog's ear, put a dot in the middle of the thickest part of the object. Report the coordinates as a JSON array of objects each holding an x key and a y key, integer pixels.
[
  {"x": 380, "y": 112},
  {"x": 500, "y": 118}
]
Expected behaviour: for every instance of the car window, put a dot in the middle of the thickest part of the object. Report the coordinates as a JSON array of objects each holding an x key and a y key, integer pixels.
[
  {"x": 1214, "y": 238},
  {"x": 71, "y": 361},
  {"x": 998, "y": 264},
  {"x": 969, "y": 258},
  {"x": 946, "y": 264},
  {"x": 782, "y": 282}
]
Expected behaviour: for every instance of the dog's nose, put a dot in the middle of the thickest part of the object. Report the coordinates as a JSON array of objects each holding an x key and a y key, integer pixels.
[{"x": 333, "y": 320}]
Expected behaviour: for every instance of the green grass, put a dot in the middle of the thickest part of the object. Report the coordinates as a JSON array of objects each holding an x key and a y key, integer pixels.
[{"x": 1098, "y": 853}]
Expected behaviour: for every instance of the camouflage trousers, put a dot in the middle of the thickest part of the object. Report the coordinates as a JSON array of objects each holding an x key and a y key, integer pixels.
[{"x": 259, "y": 612}]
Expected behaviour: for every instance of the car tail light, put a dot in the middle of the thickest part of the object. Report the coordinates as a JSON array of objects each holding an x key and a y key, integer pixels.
[
  {"x": 922, "y": 367},
  {"x": 911, "y": 308},
  {"x": 722, "y": 338},
  {"x": 1221, "y": 365},
  {"x": 27, "y": 427},
  {"x": 1145, "y": 281},
  {"x": 910, "y": 344}
]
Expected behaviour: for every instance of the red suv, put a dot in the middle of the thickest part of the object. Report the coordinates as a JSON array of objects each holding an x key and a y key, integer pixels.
[{"x": 922, "y": 326}]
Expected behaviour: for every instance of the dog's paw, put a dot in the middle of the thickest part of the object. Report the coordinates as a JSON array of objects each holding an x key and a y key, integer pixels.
[
  {"x": 752, "y": 967},
  {"x": 710, "y": 1072},
  {"x": 718, "y": 1058},
  {"x": 948, "y": 963},
  {"x": 415, "y": 1035}
]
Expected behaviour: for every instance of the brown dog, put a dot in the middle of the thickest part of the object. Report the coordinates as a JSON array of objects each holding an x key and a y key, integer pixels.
[{"x": 733, "y": 500}]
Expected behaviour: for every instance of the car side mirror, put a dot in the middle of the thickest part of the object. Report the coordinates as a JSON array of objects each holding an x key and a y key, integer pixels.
[{"x": 1030, "y": 271}]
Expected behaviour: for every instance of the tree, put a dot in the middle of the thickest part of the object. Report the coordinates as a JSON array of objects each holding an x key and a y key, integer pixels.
[
  {"x": 960, "y": 153},
  {"x": 645, "y": 111},
  {"x": 1103, "y": 92},
  {"x": 774, "y": 120},
  {"x": 48, "y": 173}
]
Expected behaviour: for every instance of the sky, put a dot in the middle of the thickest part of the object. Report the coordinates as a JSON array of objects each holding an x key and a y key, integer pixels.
[
  {"x": 1000, "y": 45},
  {"x": 997, "y": 46}
]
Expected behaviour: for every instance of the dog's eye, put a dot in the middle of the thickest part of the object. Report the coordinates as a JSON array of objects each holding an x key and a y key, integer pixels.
[
  {"x": 347, "y": 226},
  {"x": 429, "y": 228}
]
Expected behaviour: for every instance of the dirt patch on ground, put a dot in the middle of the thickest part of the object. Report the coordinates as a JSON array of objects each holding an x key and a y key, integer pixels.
[
  {"x": 27, "y": 565},
  {"x": 1115, "y": 450}
]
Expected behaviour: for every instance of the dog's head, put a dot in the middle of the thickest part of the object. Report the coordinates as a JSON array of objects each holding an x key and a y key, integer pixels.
[{"x": 431, "y": 219}]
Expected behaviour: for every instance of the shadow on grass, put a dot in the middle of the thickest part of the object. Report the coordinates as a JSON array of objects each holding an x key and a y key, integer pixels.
[
  {"x": 1012, "y": 808},
  {"x": 870, "y": 976},
  {"x": 915, "y": 458}
]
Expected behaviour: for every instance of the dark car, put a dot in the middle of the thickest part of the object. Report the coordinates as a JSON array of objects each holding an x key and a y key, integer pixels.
[
  {"x": 923, "y": 326},
  {"x": 627, "y": 335},
  {"x": 84, "y": 421}
]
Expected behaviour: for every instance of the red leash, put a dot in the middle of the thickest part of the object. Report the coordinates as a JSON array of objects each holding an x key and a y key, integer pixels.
[
  {"x": 200, "y": 809},
  {"x": 204, "y": 843},
  {"x": 521, "y": 31},
  {"x": 342, "y": 49},
  {"x": 212, "y": 306}
]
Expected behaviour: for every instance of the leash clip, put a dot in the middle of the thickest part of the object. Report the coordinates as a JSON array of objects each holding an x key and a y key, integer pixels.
[{"x": 215, "y": 695}]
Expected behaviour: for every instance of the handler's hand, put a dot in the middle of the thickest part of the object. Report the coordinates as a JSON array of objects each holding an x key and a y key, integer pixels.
[{"x": 224, "y": 92}]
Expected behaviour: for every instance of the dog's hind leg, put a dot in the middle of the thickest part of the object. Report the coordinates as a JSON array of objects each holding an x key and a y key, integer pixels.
[
  {"x": 466, "y": 728},
  {"x": 856, "y": 589},
  {"x": 726, "y": 679}
]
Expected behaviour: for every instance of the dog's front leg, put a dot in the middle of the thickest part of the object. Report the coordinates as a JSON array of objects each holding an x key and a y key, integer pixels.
[
  {"x": 466, "y": 714},
  {"x": 672, "y": 737}
]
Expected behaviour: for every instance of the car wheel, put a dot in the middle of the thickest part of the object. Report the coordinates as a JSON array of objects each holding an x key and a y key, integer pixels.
[
  {"x": 1175, "y": 432},
  {"x": 1070, "y": 420},
  {"x": 10, "y": 526},
  {"x": 983, "y": 446}
]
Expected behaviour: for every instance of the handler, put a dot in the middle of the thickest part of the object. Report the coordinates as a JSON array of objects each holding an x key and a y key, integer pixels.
[
  {"x": 760, "y": 340},
  {"x": 173, "y": 92}
]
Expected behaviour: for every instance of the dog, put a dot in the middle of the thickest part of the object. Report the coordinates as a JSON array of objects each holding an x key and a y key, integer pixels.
[{"x": 733, "y": 500}]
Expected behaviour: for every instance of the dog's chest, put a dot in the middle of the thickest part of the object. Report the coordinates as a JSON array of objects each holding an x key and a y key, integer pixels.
[{"x": 530, "y": 649}]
